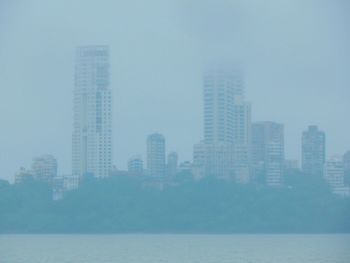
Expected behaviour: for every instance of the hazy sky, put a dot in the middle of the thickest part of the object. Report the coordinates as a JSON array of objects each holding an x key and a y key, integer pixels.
[{"x": 296, "y": 56}]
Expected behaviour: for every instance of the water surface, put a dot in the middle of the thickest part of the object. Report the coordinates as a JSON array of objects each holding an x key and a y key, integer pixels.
[{"x": 174, "y": 248}]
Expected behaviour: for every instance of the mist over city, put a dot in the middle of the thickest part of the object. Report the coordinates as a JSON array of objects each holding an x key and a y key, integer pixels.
[
  {"x": 154, "y": 118},
  {"x": 296, "y": 71}
]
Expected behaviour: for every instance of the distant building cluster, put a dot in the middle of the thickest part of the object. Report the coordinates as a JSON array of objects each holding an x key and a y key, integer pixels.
[
  {"x": 43, "y": 169},
  {"x": 233, "y": 147}
]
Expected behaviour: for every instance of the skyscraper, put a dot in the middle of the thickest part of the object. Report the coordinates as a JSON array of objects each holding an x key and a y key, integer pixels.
[
  {"x": 220, "y": 89},
  {"x": 92, "y": 131},
  {"x": 313, "y": 151},
  {"x": 156, "y": 155},
  {"x": 225, "y": 151},
  {"x": 242, "y": 140},
  {"x": 268, "y": 152}
]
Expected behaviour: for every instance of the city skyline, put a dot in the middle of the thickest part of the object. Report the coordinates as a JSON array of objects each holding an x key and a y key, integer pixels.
[
  {"x": 288, "y": 84},
  {"x": 233, "y": 148},
  {"x": 175, "y": 131},
  {"x": 86, "y": 71},
  {"x": 237, "y": 99}
]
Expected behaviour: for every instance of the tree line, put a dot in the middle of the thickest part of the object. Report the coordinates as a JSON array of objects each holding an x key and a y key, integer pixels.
[{"x": 126, "y": 204}]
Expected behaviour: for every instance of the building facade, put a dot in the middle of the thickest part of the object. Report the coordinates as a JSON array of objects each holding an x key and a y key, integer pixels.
[
  {"x": 44, "y": 168},
  {"x": 213, "y": 159},
  {"x": 156, "y": 155},
  {"x": 242, "y": 156},
  {"x": 185, "y": 166},
  {"x": 224, "y": 152},
  {"x": 313, "y": 151},
  {"x": 346, "y": 160},
  {"x": 22, "y": 175},
  {"x": 172, "y": 163},
  {"x": 268, "y": 152},
  {"x": 135, "y": 165},
  {"x": 221, "y": 87},
  {"x": 92, "y": 130},
  {"x": 334, "y": 175}
]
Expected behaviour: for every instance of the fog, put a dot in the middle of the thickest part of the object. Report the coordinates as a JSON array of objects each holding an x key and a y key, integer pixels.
[{"x": 295, "y": 54}]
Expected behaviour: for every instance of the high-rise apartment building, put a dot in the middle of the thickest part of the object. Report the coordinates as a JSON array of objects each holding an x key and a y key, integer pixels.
[
  {"x": 242, "y": 140},
  {"x": 156, "y": 155},
  {"x": 92, "y": 130},
  {"x": 220, "y": 89},
  {"x": 225, "y": 151},
  {"x": 313, "y": 151},
  {"x": 268, "y": 152}
]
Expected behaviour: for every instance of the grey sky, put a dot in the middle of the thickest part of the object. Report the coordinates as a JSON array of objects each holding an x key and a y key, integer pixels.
[{"x": 296, "y": 56}]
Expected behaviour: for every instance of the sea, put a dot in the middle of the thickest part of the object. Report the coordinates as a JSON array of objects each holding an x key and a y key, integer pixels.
[{"x": 175, "y": 248}]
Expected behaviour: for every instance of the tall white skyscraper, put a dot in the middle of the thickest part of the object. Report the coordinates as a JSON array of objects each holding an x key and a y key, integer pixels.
[
  {"x": 92, "y": 131},
  {"x": 225, "y": 151},
  {"x": 221, "y": 88}
]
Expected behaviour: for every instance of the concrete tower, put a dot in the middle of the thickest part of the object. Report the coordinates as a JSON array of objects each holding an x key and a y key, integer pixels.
[{"x": 92, "y": 130}]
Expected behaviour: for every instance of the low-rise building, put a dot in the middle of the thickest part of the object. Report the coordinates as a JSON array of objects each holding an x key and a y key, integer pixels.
[
  {"x": 44, "y": 168},
  {"x": 135, "y": 165},
  {"x": 22, "y": 175}
]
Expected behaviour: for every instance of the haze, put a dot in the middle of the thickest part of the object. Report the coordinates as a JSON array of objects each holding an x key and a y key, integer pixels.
[{"x": 295, "y": 54}]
